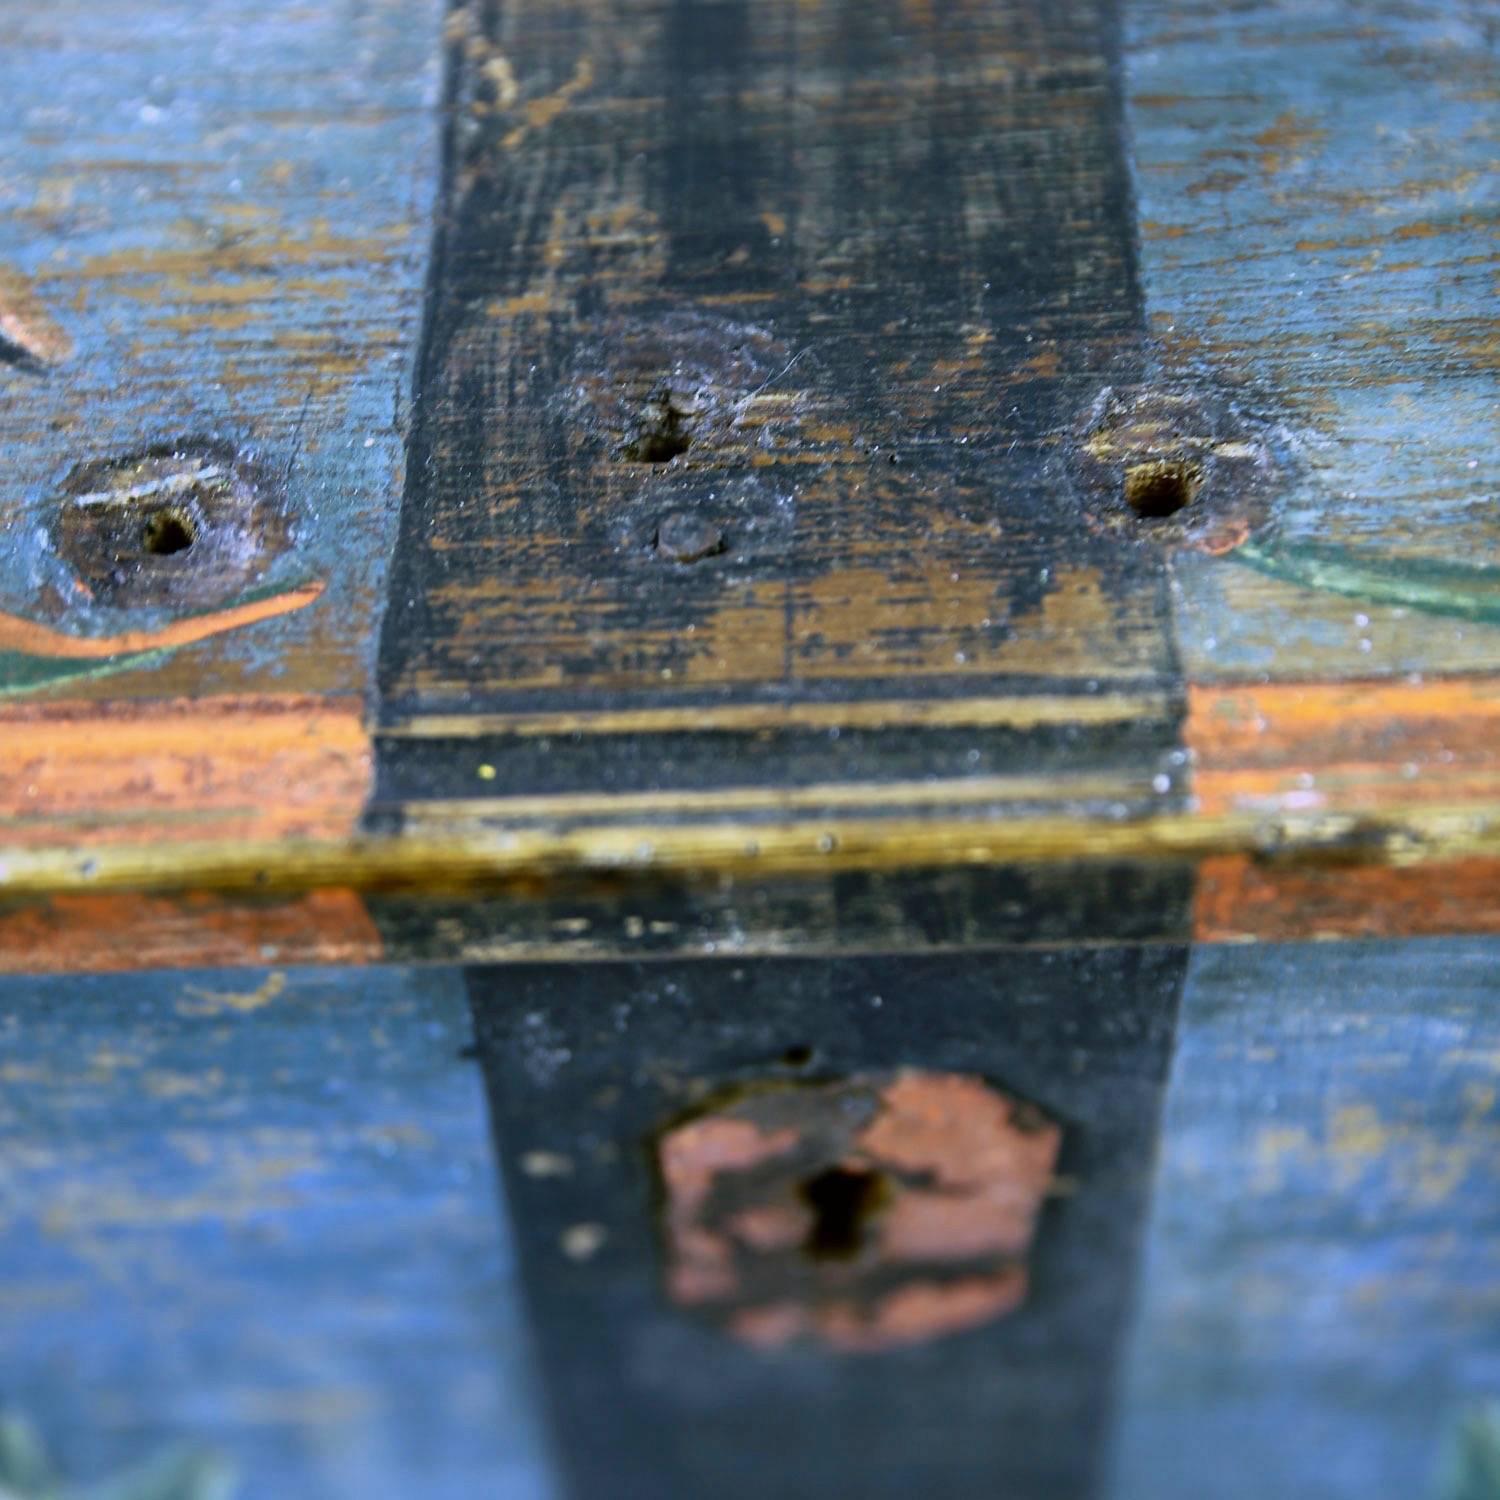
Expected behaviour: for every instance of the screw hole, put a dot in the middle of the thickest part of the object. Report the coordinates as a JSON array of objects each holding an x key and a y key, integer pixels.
[
  {"x": 1155, "y": 491},
  {"x": 664, "y": 433},
  {"x": 843, "y": 1201},
  {"x": 797, "y": 1057},
  {"x": 168, "y": 532}
]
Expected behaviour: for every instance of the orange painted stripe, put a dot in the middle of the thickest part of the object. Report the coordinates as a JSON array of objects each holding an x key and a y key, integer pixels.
[
  {"x": 1348, "y": 746},
  {"x": 33, "y": 639},
  {"x": 1238, "y": 899},
  {"x": 1345, "y": 747},
  {"x": 93, "y": 934},
  {"x": 226, "y": 768}
]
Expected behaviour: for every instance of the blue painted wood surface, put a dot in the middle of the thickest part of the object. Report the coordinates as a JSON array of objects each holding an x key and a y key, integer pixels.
[
  {"x": 256, "y": 1212},
  {"x": 225, "y": 209},
  {"x": 1318, "y": 199},
  {"x": 1321, "y": 1302}
]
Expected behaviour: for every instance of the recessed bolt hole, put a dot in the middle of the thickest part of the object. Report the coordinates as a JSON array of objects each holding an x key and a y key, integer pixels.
[
  {"x": 167, "y": 532},
  {"x": 1155, "y": 491},
  {"x": 664, "y": 433},
  {"x": 797, "y": 1057},
  {"x": 843, "y": 1201}
]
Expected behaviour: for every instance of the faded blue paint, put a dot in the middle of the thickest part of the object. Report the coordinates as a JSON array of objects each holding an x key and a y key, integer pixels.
[
  {"x": 1318, "y": 199},
  {"x": 228, "y": 207},
  {"x": 1321, "y": 1296},
  {"x": 262, "y": 1222}
]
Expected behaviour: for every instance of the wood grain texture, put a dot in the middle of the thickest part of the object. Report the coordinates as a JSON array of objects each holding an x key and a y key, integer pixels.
[
  {"x": 255, "y": 1211},
  {"x": 848, "y": 268},
  {"x": 213, "y": 226},
  {"x": 130, "y": 931},
  {"x": 787, "y": 372},
  {"x": 1319, "y": 1303},
  {"x": 244, "y": 768},
  {"x": 1318, "y": 209}
]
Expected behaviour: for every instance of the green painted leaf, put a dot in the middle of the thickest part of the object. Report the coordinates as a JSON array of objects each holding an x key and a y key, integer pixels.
[
  {"x": 24, "y": 1470},
  {"x": 1437, "y": 588}
]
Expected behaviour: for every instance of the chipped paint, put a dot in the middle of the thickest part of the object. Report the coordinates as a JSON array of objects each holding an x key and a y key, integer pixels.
[{"x": 868, "y": 1213}]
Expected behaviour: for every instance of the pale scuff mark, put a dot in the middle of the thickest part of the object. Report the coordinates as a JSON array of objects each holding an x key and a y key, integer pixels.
[
  {"x": 216, "y": 1002},
  {"x": 502, "y": 77},
  {"x": 27, "y": 326},
  {"x": 540, "y": 113}
]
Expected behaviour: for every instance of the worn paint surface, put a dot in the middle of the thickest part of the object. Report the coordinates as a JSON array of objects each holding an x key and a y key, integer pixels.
[
  {"x": 1320, "y": 1306},
  {"x": 255, "y": 1211},
  {"x": 227, "y": 208},
  {"x": 803, "y": 393},
  {"x": 586, "y": 1064},
  {"x": 785, "y": 563},
  {"x": 252, "y": 1212},
  {"x": 1317, "y": 197},
  {"x": 214, "y": 224}
]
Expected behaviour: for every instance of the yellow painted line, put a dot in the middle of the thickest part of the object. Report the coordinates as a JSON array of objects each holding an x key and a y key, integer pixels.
[
  {"x": 967, "y": 713},
  {"x": 930, "y": 793},
  {"x": 474, "y": 860}
]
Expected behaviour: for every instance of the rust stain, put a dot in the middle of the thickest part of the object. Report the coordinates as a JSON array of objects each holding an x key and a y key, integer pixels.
[
  {"x": 693, "y": 1155},
  {"x": 985, "y": 1157},
  {"x": 919, "y": 1313},
  {"x": 118, "y": 932},
  {"x": 867, "y": 1213},
  {"x": 33, "y": 639},
  {"x": 26, "y": 325},
  {"x": 226, "y": 768}
]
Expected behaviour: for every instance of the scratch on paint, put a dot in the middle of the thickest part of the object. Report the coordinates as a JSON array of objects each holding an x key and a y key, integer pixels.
[
  {"x": 502, "y": 77},
  {"x": 1356, "y": 1143}
]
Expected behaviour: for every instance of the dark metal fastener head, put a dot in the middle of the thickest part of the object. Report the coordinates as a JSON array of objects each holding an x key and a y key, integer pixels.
[{"x": 685, "y": 538}]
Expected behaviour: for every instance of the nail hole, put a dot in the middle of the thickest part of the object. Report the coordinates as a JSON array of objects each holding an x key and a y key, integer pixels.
[
  {"x": 797, "y": 1057},
  {"x": 664, "y": 433},
  {"x": 168, "y": 531},
  {"x": 843, "y": 1201},
  {"x": 1155, "y": 491}
]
